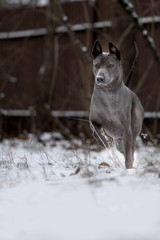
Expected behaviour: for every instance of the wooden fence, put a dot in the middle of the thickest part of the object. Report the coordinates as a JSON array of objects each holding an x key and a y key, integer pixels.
[{"x": 22, "y": 41}]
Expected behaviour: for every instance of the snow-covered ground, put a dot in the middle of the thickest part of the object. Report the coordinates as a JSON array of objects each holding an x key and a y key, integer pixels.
[{"x": 64, "y": 190}]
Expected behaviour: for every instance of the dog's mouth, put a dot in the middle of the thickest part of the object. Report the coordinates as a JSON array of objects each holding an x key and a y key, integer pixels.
[{"x": 102, "y": 84}]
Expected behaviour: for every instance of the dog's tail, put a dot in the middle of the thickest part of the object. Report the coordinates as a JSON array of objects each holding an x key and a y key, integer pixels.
[{"x": 131, "y": 73}]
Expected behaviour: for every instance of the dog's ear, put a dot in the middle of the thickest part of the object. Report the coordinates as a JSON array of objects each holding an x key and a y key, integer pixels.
[
  {"x": 97, "y": 49},
  {"x": 113, "y": 50}
]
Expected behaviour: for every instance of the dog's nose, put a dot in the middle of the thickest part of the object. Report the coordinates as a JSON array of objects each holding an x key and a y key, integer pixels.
[{"x": 100, "y": 79}]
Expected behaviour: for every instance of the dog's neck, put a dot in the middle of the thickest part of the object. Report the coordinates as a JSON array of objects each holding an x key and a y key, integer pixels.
[{"x": 112, "y": 87}]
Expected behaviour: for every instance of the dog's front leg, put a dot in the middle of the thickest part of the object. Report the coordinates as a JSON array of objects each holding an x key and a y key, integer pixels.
[
  {"x": 129, "y": 151},
  {"x": 97, "y": 133}
]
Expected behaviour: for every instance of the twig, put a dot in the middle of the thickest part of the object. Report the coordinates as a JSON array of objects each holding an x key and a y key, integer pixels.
[
  {"x": 116, "y": 163},
  {"x": 131, "y": 73}
]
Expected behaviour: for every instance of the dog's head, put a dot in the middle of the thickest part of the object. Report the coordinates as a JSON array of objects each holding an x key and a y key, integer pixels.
[{"x": 106, "y": 66}]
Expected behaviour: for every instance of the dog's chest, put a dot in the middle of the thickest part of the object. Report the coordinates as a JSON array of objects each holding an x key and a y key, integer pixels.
[{"x": 112, "y": 113}]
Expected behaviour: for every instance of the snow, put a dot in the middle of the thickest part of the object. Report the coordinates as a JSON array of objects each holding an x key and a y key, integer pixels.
[
  {"x": 23, "y": 33},
  {"x": 150, "y": 19},
  {"x": 25, "y": 2},
  {"x": 66, "y": 190},
  {"x": 151, "y": 41},
  {"x": 134, "y": 15},
  {"x": 58, "y": 113},
  {"x": 61, "y": 29},
  {"x": 145, "y": 32},
  {"x": 40, "y": 3}
]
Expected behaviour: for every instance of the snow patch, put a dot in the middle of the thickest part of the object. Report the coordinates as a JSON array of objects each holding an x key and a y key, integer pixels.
[{"x": 64, "y": 190}]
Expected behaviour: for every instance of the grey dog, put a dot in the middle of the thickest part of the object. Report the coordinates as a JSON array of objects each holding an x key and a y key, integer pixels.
[{"x": 116, "y": 113}]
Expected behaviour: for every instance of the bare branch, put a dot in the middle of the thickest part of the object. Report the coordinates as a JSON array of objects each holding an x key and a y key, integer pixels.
[
  {"x": 131, "y": 73},
  {"x": 129, "y": 9}
]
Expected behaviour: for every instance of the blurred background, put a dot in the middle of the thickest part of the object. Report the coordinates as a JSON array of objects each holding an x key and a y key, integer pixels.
[{"x": 46, "y": 78}]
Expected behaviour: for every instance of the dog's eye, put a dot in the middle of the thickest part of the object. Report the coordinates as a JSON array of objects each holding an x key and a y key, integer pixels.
[
  {"x": 97, "y": 65},
  {"x": 110, "y": 65}
]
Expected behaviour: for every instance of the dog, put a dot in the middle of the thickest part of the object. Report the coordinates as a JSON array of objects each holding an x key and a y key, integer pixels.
[{"x": 116, "y": 113}]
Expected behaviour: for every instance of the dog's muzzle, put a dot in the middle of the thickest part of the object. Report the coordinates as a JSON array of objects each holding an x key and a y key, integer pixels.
[{"x": 100, "y": 79}]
